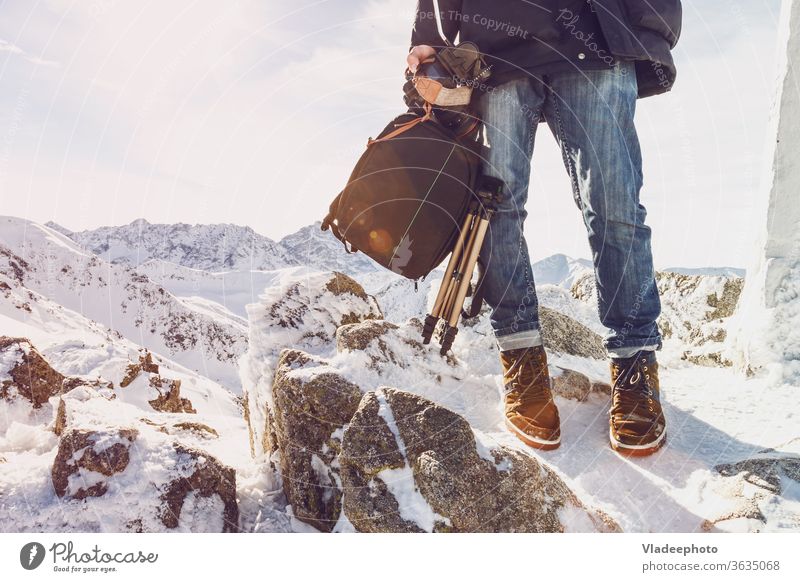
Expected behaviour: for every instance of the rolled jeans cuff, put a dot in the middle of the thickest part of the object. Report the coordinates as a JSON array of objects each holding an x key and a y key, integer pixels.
[
  {"x": 527, "y": 338},
  {"x": 627, "y": 352}
]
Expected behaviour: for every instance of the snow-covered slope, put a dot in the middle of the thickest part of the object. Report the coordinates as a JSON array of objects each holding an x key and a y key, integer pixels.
[
  {"x": 230, "y": 289},
  {"x": 47, "y": 484},
  {"x": 45, "y": 262}
]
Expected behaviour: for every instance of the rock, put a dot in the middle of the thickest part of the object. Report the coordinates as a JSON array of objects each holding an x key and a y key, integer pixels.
[
  {"x": 386, "y": 343},
  {"x": 563, "y": 334},
  {"x": 61, "y": 418},
  {"x": 200, "y": 475},
  {"x": 145, "y": 364},
  {"x": 601, "y": 387},
  {"x": 169, "y": 391},
  {"x": 724, "y": 304},
  {"x": 714, "y": 359},
  {"x": 694, "y": 310},
  {"x": 312, "y": 404},
  {"x": 408, "y": 464},
  {"x": 169, "y": 398},
  {"x": 766, "y": 473},
  {"x": 359, "y": 336},
  {"x": 198, "y": 428},
  {"x": 26, "y": 373},
  {"x": 570, "y": 384},
  {"x": 302, "y": 310},
  {"x": 583, "y": 288},
  {"x": 752, "y": 484},
  {"x": 247, "y": 421},
  {"x": 84, "y": 453},
  {"x": 99, "y": 384}
]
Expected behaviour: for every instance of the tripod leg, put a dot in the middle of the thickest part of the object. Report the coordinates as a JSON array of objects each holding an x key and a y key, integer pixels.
[
  {"x": 446, "y": 285},
  {"x": 455, "y": 258},
  {"x": 457, "y": 303},
  {"x": 474, "y": 251}
]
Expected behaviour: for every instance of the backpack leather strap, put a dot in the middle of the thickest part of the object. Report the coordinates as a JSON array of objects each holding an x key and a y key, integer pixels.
[{"x": 402, "y": 127}]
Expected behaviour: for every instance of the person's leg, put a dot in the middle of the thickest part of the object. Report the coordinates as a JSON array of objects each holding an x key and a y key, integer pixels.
[
  {"x": 591, "y": 114},
  {"x": 510, "y": 114}
]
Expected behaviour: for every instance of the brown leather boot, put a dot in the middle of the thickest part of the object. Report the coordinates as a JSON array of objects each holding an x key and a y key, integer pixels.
[
  {"x": 531, "y": 414},
  {"x": 637, "y": 424}
]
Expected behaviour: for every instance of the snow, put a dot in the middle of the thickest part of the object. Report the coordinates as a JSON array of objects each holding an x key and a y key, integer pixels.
[
  {"x": 81, "y": 323},
  {"x": 9, "y": 360},
  {"x": 196, "y": 511},
  {"x": 400, "y": 482}
]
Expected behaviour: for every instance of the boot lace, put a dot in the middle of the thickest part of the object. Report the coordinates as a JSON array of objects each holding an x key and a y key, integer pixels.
[
  {"x": 528, "y": 376},
  {"x": 632, "y": 388}
]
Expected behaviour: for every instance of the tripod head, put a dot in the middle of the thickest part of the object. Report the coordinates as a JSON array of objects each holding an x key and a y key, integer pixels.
[{"x": 489, "y": 192}]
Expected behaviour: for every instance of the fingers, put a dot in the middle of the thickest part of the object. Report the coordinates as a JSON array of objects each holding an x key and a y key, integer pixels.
[
  {"x": 419, "y": 54},
  {"x": 413, "y": 62}
]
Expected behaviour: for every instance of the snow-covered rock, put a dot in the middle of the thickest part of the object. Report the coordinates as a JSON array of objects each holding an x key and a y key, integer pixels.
[
  {"x": 695, "y": 310},
  {"x": 313, "y": 402},
  {"x": 303, "y": 309},
  {"x": 759, "y": 492},
  {"x": 411, "y": 465},
  {"x": 86, "y": 458},
  {"x": 26, "y": 374}
]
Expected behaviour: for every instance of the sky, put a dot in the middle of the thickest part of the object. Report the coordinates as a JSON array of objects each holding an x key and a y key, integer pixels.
[{"x": 254, "y": 113}]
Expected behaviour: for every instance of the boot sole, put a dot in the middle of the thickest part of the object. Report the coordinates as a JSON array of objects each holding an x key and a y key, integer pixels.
[
  {"x": 531, "y": 441},
  {"x": 637, "y": 450}
]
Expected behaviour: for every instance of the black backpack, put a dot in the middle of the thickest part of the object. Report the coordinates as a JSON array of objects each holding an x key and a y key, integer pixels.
[{"x": 408, "y": 195}]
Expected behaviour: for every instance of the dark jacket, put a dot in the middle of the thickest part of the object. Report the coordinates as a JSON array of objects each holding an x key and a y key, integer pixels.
[{"x": 533, "y": 36}]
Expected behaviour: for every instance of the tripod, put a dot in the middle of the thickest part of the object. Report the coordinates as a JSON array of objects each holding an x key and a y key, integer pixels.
[{"x": 449, "y": 302}]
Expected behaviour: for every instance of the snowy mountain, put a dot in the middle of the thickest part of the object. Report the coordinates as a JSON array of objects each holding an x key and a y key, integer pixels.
[
  {"x": 312, "y": 247},
  {"x": 560, "y": 270},
  {"x": 216, "y": 247},
  {"x": 36, "y": 259},
  {"x": 210, "y": 247}
]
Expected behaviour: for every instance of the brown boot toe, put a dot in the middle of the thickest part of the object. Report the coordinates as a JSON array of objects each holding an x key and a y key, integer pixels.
[
  {"x": 545, "y": 438},
  {"x": 637, "y": 426},
  {"x": 530, "y": 413}
]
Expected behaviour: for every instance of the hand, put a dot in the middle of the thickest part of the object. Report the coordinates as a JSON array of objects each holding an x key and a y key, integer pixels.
[{"x": 419, "y": 54}]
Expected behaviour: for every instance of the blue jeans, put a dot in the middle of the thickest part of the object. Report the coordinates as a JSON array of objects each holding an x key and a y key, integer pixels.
[{"x": 591, "y": 116}]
